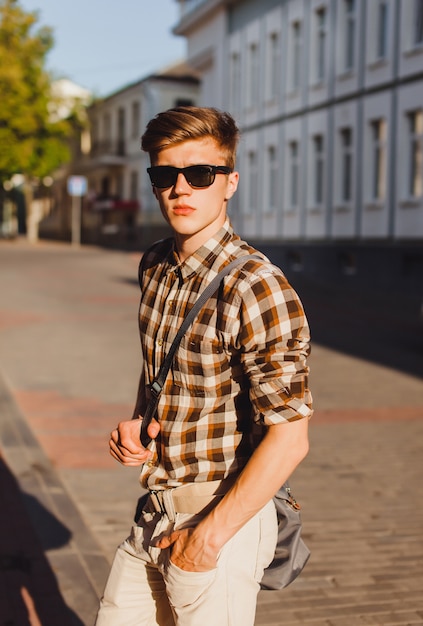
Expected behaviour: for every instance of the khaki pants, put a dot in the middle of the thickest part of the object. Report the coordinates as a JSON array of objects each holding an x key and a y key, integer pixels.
[{"x": 145, "y": 589}]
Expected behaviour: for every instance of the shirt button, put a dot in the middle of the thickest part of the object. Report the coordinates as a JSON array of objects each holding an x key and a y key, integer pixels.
[{"x": 160, "y": 342}]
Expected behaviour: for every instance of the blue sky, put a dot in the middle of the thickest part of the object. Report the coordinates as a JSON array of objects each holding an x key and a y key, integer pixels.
[{"x": 103, "y": 45}]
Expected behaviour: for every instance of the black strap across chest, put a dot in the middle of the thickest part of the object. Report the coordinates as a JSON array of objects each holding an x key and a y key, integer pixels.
[{"x": 156, "y": 386}]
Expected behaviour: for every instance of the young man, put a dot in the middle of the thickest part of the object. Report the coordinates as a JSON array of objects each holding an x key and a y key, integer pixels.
[{"x": 233, "y": 415}]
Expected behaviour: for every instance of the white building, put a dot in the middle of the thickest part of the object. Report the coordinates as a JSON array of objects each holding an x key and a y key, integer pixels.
[
  {"x": 119, "y": 207},
  {"x": 67, "y": 97},
  {"x": 329, "y": 98},
  {"x": 46, "y": 213}
]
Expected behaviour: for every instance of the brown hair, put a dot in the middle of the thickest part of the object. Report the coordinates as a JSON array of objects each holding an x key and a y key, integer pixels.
[{"x": 185, "y": 123}]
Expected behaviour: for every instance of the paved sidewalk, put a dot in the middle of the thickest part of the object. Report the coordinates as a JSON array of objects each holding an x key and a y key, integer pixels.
[{"x": 68, "y": 372}]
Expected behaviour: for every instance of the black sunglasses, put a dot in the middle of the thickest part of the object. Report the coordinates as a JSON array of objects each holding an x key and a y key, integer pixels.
[{"x": 164, "y": 176}]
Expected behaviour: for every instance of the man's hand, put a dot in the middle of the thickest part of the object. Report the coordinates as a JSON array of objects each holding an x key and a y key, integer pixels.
[
  {"x": 125, "y": 443},
  {"x": 189, "y": 551}
]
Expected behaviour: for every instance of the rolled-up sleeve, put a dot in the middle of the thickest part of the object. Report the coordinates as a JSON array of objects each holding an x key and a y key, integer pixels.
[{"x": 274, "y": 340}]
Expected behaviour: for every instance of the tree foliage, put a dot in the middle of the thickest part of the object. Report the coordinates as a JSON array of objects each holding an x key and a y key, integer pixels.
[{"x": 31, "y": 143}]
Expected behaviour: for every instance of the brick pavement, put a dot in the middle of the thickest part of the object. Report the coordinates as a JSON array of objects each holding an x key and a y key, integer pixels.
[
  {"x": 364, "y": 526},
  {"x": 68, "y": 351}
]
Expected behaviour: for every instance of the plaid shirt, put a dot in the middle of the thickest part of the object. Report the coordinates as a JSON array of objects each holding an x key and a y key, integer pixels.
[{"x": 240, "y": 366}]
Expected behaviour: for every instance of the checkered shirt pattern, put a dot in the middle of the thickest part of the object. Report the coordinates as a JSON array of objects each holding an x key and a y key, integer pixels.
[{"x": 240, "y": 366}]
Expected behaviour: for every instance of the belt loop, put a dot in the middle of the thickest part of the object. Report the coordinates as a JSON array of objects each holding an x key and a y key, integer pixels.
[
  {"x": 163, "y": 502},
  {"x": 157, "y": 501},
  {"x": 168, "y": 504}
]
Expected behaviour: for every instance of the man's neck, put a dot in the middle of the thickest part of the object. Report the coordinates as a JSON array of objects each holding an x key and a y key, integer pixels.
[{"x": 186, "y": 245}]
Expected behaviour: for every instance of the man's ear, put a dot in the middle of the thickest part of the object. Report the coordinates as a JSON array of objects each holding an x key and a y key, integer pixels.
[{"x": 232, "y": 186}]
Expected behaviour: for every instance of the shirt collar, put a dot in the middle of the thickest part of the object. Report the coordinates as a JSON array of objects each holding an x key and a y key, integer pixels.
[{"x": 204, "y": 257}]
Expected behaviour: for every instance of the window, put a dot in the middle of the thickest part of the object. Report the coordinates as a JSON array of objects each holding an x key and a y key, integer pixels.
[
  {"x": 321, "y": 44},
  {"x": 273, "y": 178},
  {"x": 135, "y": 122},
  {"x": 319, "y": 169},
  {"x": 346, "y": 164},
  {"x": 378, "y": 134},
  {"x": 119, "y": 186},
  {"x": 134, "y": 185},
  {"x": 105, "y": 187},
  {"x": 253, "y": 75},
  {"x": 121, "y": 132},
  {"x": 235, "y": 82},
  {"x": 274, "y": 74},
  {"x": 294, "y": 166},
  {"x": 418, "y": 22},
  {"x": 296, "y": 55},
  {"x": 415, "y": 159},
  {"x": 252, "y": 202},
  {"x": 94, "y": 136},
  {"x": 382, "y": 30},
  {"x": 107, "y": 126},
  {"x": 350, "y": 17}
]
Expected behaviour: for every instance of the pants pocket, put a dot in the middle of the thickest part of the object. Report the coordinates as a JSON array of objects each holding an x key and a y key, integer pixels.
[
  {"x": 268, "y": 526},
  {"x": 186, "y": 588}
]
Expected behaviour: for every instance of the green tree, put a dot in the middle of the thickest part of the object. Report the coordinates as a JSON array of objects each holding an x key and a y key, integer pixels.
[{"x": 31, "y": 143}]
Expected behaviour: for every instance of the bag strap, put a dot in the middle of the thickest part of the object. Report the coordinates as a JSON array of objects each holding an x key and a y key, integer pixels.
[{"x": 156, "y": 386}]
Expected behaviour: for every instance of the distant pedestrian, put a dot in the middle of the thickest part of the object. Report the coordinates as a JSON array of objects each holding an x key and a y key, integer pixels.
[{"x": 232, "y": 420}]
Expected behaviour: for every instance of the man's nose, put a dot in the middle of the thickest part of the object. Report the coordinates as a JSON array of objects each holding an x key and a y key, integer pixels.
[{"x": 182, "y": 186}]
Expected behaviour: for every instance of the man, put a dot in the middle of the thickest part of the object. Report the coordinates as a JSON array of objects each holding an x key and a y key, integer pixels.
[{"x": 233, "y": 415}]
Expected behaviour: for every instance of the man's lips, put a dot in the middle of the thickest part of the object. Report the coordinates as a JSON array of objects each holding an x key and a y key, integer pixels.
[{"x": 183, "y": 209}]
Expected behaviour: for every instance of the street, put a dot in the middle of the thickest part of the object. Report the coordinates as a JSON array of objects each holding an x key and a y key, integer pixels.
[{"x": 69, "y": 366}]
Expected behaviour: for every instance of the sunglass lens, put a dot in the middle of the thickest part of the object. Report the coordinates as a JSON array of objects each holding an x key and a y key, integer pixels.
[
  {"x": 163, "y": 176},
  {"x": 199, "y": 175}
]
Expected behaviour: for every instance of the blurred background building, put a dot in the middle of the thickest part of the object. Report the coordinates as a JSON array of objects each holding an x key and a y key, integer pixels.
[
  {"x": 329, "y": 98},
  {"x": 118, "y": 208}
]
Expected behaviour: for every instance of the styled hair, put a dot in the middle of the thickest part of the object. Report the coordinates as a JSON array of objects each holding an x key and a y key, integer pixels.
[{"x": 185, "y": 123}]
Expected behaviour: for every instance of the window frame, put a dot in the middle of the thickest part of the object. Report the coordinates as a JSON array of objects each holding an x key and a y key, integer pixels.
[
  {"x": 379, "y": 129},
  {"x": 347, "y": 162},
  {"x": 321, "y": 43},
  {"x": 350, "y": 17},
  {"x": 293, "y": 174},
  {"x": 296, "y": 54},
  {"x": 415, "y": 154},
  {"x": 319, "y": 163}
]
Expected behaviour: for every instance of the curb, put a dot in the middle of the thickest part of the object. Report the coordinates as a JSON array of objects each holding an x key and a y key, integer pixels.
[{"x": 74, "y": 555}]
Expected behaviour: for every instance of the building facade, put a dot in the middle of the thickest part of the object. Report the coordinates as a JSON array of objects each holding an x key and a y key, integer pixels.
[
  {"x": 119, "y": 207},
  {"x": 329, "y": 98}
]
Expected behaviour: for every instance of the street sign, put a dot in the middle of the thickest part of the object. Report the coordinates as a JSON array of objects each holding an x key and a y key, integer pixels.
[{"x": 77, "y": 186}]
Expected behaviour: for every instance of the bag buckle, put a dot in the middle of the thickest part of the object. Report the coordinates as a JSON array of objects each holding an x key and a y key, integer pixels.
[{"x": 156, "y": 388}]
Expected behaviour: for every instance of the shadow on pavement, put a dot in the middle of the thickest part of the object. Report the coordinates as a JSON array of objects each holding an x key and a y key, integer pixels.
[
  {"x": 29, "y": 593},
  {"x": 374, "y": 325}
]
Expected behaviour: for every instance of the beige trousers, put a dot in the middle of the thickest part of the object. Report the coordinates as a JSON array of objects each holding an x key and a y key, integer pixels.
[{"x": 145, "y": 589}]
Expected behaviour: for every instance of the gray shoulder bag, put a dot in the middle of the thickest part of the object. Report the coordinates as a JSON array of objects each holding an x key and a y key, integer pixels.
[{"x": 291, "y": 553}]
